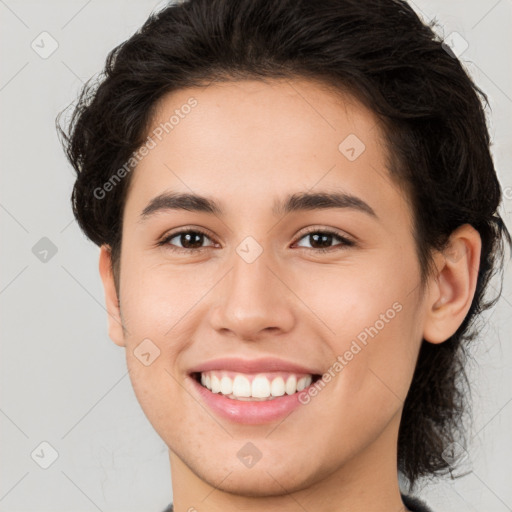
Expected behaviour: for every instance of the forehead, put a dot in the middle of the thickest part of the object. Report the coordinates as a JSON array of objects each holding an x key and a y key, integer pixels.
[
  {"x": 291, "y": 116},
  {"x": 243, "y": 141}
]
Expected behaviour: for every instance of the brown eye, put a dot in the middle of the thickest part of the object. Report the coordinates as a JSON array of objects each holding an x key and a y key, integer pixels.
[
  {"x": 190, "y": 240},
  {"x": 321, "y": 240}
]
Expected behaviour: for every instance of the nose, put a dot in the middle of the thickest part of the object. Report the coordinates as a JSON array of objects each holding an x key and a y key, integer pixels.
[{"x": 253, "y": 300}]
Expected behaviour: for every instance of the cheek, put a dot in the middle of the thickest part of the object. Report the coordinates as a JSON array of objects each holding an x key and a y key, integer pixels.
[
  {"x": 369, "y": 375},
  {"x": 370, "y": 320},
  {"x": 155, "y": 300}
]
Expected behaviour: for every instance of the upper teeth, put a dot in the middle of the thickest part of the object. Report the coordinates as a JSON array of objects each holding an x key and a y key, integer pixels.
[{"x": 242, "y": 385}]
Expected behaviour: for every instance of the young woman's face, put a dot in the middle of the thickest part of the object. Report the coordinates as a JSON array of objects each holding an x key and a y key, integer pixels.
[{"x": 257, "y": 286}]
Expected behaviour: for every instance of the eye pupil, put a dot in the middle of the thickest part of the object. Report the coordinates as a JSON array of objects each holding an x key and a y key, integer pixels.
[
  {"x": 186, "y": 237},
  {"x": 327, "y": 239}
]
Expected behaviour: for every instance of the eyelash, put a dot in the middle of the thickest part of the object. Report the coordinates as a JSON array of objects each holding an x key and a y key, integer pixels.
[{"x": 345, "y": 241}]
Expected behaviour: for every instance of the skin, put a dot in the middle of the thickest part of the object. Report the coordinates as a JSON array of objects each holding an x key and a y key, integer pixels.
[{"x": 247, "y": 144}]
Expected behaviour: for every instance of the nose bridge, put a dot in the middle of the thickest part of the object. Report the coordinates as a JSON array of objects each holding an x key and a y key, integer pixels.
[
  {"x": 251, "y": 298},
  {"x": 250, "y": 277}
]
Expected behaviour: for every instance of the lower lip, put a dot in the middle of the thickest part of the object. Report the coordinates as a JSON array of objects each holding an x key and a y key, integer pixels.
[{"x": 246, "y": 412}]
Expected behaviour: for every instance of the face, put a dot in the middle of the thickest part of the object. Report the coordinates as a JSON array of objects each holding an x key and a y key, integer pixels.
[{"x": 264, "y": 290}]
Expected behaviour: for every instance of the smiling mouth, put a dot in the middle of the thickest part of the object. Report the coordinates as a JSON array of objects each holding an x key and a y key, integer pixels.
[{"x": 254, "y": 387}]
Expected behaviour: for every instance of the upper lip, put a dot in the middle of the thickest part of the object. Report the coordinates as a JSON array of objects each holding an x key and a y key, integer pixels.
[{"x": 262, "y": 365}]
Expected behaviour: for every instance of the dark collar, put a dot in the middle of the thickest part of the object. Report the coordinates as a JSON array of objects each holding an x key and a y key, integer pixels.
[{"x": 413, "y": 504}]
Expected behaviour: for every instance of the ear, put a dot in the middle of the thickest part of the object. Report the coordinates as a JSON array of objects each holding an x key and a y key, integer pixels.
[
  {"x": 115, "y": 326},
  {"x": 453, "y": 288}
]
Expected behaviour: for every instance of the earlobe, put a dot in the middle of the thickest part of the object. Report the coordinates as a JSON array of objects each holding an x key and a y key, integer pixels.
[
  {"x": 452, "y": 290},
  {"x": 115, "y": 327}
]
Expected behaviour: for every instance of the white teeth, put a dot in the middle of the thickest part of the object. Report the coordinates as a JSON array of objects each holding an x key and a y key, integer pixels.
[
  {"x": 260, "y": 387},
  {"x": 291, "y": 385},
  {"x": 277, "y": 387},
  {"x": 240, "y": 387},
  {"x": 304, "y": 382},
  {"x": 215, "y": 384},
  {"x": 226, "y": 386}
]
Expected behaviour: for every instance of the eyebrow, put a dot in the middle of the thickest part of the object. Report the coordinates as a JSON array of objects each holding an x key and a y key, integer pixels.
[{"x": 299, "y": 201}]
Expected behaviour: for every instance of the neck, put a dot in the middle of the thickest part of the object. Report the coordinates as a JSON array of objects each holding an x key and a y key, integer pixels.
[{"x": 368, "y": 481}]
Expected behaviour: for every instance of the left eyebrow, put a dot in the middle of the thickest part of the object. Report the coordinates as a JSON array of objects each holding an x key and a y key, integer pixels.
[{"x": 299, "y": 201}]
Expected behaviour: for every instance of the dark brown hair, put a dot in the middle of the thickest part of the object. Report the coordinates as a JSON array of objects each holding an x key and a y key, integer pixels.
[{"x": 380, "y": 51}]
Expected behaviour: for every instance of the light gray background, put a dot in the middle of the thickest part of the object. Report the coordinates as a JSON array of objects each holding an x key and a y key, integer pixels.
[{"x": 62, "y": 380}]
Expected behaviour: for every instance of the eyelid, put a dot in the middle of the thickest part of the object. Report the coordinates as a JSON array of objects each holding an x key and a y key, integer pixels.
[
  {"x": 346, "y": 241},
  {"x": 163, "y": 240},
  {"x": 326, "y": 230}
]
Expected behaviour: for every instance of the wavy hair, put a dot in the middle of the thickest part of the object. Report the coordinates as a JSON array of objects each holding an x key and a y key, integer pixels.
[{"x": 384, "y": 55}]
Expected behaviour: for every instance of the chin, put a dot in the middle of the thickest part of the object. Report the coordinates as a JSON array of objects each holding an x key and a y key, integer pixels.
[
  {"x": 271, "y": 477},
  {"x": 252, "y": 483}
]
